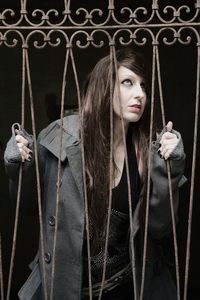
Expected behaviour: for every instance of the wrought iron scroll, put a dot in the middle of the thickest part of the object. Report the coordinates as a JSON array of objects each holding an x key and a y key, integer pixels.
[{"x": 82, "y": 28}]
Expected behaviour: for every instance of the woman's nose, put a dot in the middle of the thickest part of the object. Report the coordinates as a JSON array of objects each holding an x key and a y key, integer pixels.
[{"x": 138, "y": 91}]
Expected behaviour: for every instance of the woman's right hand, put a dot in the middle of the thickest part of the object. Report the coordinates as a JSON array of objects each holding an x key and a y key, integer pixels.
[{"x": 22, "y": 144}]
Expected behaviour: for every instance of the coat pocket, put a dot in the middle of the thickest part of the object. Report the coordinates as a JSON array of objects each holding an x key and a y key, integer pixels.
[{"x": 29, "y": 290}]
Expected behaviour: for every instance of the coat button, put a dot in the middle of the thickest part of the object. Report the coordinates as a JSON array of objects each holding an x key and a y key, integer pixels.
[
  {"x": 47, "y": 257},
  {"x": 52, "y": 220}
]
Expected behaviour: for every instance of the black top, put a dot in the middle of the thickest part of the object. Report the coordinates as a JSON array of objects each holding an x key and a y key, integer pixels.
[{"x": 120, "y": 192}]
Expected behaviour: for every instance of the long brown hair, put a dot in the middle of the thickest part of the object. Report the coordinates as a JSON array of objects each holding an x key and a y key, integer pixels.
[{"x": 96, "y": 99}]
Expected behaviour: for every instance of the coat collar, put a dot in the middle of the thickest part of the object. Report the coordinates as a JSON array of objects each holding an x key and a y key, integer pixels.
[{"x": 50, "y": 137}]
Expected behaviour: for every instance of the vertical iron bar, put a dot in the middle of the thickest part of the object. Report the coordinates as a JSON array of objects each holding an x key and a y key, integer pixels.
[
  {"x": 84, "y": 177},
  {"x": 23, "y": 88},
  {"x": 187, "y": 260},
  {"x": 110, "y": 174},
  {"x": 23, "y": 4},
  {"x": 19, "y": 185},
  {"x": 148, "y": 176},
  {"x": 43, "y": 271},
  {"x": 169, "y": 182},
  {"x": 58, "y": 174},
  {"x": 14, "y": 234},
  {"x": 65, "y": 4}
]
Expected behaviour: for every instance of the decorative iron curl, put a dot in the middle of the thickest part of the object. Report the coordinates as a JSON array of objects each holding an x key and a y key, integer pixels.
[
  {"x": 1, "y": 38},
  {"x": 121, "y": 38},
  {"x": 134, "y": 36},
  {"x": 122, "y": 11},
  {"x": 165, "y": 39},
  {"x": 176, "y": 35},
  {"x": 124, "y": 36},
  {"x": 189, "y": 38},
  {"x": 165, "y": 11},
  {"x": 56, "y": 14},
  {"x": 14, "y": 41},
  {"x": 12, "y": 14},
  {"x": 58, "y": 39},
  {"x": 144, "y": 12},
  {"x": 34, "y": 14},
  {"x": 78, "y": 12},
  {"x": 100, "y": 13},
  {"x": 36, "y": 43},
  {"x": 89, "y": 16},
  {"x": 187, "y": 9},
  {"x": 89, "y": 39},
  {"x": 177, "y": 14},
  {"x": 45, "y": 18},
  {"x": 78, "y": 42},
  {"x": 101, "y": 43}
]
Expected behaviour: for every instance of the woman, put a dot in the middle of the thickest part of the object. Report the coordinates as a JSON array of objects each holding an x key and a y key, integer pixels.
[{"x": 126, "y": 94}]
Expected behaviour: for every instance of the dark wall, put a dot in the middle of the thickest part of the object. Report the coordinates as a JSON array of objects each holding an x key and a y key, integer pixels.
[{"x": 178, "y": 74}]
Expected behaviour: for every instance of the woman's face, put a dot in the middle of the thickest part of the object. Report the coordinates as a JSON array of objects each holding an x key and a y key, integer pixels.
[{"x": 132, "y": 95}]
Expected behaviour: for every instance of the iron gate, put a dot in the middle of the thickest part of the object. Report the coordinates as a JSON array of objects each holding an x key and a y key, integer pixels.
[{"x": 111, "y": 25}]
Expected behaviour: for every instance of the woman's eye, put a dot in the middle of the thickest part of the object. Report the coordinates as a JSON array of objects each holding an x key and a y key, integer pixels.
[{"x": 127, "y": 82}]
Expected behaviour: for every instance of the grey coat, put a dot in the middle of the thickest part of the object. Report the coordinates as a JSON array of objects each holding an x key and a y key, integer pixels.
[{"x": 70, "y": 221}]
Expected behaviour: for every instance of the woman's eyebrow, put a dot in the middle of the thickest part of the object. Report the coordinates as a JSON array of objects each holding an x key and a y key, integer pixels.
[{"x": 131, "y": 76}]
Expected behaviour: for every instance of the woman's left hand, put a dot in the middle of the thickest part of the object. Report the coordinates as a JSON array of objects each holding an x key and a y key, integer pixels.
[{"x": 168, "y": 142}]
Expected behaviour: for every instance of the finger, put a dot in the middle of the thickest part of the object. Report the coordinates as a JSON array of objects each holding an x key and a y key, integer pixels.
[
  {"x": 171, "y": 147},
  {"x": 168, "y": 135},
  {"x": 164, "y": 151},
  {"x": 169, "y": 142},
  {"x": 24, "y": 148},
  {"x": 167, "y": 155},
  {"x": 25, "y": 155},
  {"x": 169, "y": 126},
  {"x": 21, "y": 139}
]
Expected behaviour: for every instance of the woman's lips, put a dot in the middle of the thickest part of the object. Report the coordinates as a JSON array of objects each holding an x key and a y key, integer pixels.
[{"x": 135, "y": 107}]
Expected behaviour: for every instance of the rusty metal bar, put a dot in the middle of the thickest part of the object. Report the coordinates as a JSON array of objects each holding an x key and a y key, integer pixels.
[
  {"x": 75, "y": 28},
  {"x": 59, "y": 173},
  {"x": 194, "y": 155},
  {"x": 14, "y": 234},
  {"x": 148, "y": 175},
  {"x": 111, "y": 171},
  {"x": 42, "y": 244},
  {"x": 84, "y": 175},
  {"x": 169, "y": 182},
  {"x": 19, "y": 186}
]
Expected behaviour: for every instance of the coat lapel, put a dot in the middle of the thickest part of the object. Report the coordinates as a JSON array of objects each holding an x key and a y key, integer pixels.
[{"x": 50, "y": 138}]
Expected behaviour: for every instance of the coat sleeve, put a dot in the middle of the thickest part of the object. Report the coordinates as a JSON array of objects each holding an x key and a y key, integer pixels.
[
  {"x": 12, "y": 160},
  {"x": 160, "y": 220}
]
